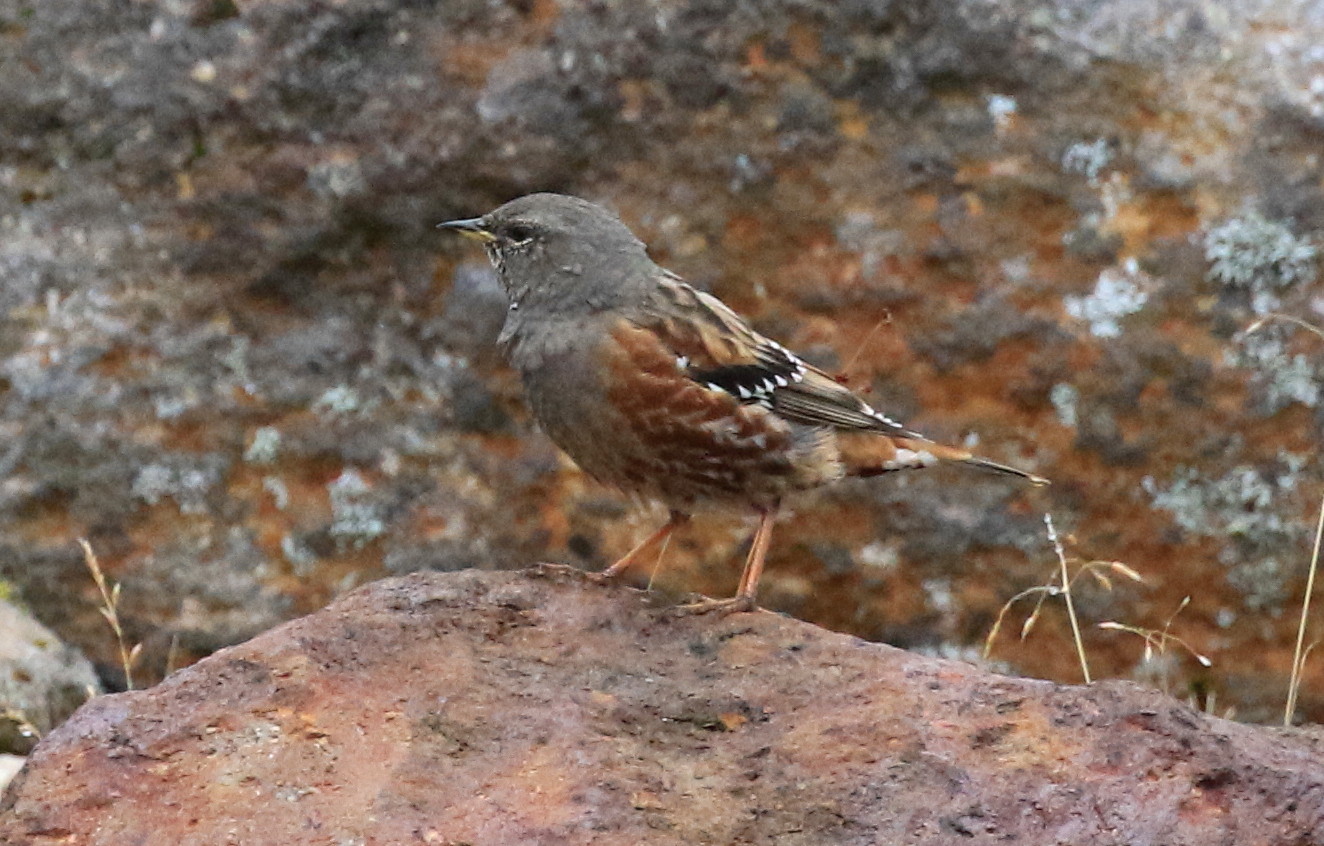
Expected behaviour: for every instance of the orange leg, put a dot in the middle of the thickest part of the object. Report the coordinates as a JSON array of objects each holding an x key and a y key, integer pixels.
[
  {"x": 676, "y": 520},
  {"x": 744, "y": 600},
  {"x": 758, "y": 553}
]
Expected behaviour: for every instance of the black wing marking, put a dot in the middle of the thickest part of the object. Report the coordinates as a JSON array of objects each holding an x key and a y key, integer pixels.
[
  {"x": 797, "y": 391},
  {"x": 717, "y": 348},
  {"x": 753, "y": 383}
]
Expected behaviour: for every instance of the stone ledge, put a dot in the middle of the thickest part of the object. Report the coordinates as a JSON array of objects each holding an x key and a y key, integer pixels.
[{"x": 538, "y": 707}]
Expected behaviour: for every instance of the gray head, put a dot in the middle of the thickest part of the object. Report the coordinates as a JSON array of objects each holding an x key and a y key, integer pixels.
[{"x": 556, "y": 252}]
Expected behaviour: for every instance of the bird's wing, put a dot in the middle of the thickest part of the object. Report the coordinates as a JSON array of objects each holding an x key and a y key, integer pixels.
[{"x": 715, "y": 347}]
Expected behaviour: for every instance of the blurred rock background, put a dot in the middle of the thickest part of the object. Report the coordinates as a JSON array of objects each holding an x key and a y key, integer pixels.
[{"x": 236, "y": 356}]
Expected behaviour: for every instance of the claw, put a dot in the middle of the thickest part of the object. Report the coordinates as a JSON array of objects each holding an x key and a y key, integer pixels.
[{"x": 734, "y": 605}]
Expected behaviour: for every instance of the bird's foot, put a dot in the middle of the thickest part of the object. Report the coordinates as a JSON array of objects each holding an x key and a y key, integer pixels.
[{"x": 734, "y": 605}]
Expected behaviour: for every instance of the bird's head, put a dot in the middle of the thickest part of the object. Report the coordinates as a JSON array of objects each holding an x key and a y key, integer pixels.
[{"x": 553, "y": 250}]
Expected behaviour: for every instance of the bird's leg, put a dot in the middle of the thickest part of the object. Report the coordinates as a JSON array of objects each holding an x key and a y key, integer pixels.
[
  {"x": 677, "y": 519},
  {"x": 744, "y": 600},
  {"x": 758, "y": 553}
]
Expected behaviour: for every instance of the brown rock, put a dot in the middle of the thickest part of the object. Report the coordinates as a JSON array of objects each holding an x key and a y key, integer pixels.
[
  {"x": 499, "y": 708},
  {"x": 42, "y": 680},
  {"x": 236, "y": 356}
]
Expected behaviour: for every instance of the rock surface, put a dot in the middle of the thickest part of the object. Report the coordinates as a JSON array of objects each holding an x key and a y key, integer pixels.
[
  {"x": 235, "y": 355},
  {"x": 42, "y": 679},
  {"x": 542, "y": 708}
]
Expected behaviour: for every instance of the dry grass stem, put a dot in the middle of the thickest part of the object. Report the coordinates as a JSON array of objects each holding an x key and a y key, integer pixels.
[
  {"x": 1300, "y": 653},
  {"x": 1066, "y": 593},
  {"x": 172, "y": 654},
  {"x": 1049, "y": 590},
  {"x": 1286, "y": 318},
  {"x": 1157, "y": 640},
  {"x": 657, "y": 566},
  {"x": 1209, "y": 705},
  {"x": 110, "y": 600},
  {"x": 864, "y": 342},
  {"x": 1101, "y": 572}
]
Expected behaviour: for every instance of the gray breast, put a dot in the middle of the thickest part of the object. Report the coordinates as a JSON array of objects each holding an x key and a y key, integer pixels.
[{"x": 562, "y": 382}]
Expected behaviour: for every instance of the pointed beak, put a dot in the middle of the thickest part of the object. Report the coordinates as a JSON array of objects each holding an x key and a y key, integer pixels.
[{"x": 471, "y": 228}]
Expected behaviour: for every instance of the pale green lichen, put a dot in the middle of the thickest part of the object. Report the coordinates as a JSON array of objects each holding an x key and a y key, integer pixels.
[
  {"x": 1263, "y": 583},
  {"x": 153, "y": 483},
  {"x": 1260, "y": 255},
  {"x": 300, "y": 556},
  {"x": 1117, "y": 294},
  {"x": 337, "y": 178},
  {"x": 969, "y": 653},
  {"x": 275, "y": 486},
  {"x": 171, "y": 407},
  {"x": 1285, "y": 377},
  {"x": 939, "y": 594},
  {"x": 1237, "y": 504},
  {"x": 188, "y": 486},
  {"x": 264, "y": 447},
  {"x": 1088, "y": 158},
  {"x": 341, "y": 399},
  {"x": 236, "y": 361},
  {"x": 1066, "y": 402},
  {"x": 1001, "y": 108},
  {"x": 1246, "y": 509},
  {"x": 356, "y": 518}
]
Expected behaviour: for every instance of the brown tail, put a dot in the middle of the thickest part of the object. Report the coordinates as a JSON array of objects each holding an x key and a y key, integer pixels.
[{"x": 874, "y": 455}]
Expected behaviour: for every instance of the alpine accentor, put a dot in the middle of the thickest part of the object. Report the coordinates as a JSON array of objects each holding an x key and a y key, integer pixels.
[{"x": 662, "y": 390}]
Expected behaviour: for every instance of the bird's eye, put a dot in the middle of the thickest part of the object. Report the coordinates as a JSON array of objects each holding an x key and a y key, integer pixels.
[{"x": 519, "y": 233}]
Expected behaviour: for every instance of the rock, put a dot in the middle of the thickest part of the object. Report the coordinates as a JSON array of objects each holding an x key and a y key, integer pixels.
[
  {"x": 9, "y": 767},
  {"x": 42, "y": 679},
  {"x": 540, "y": 707},
  {"x": 235, "y": 354}
]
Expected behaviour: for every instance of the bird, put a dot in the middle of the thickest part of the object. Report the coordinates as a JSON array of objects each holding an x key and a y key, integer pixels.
[{"x": 661, "y": 390}]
